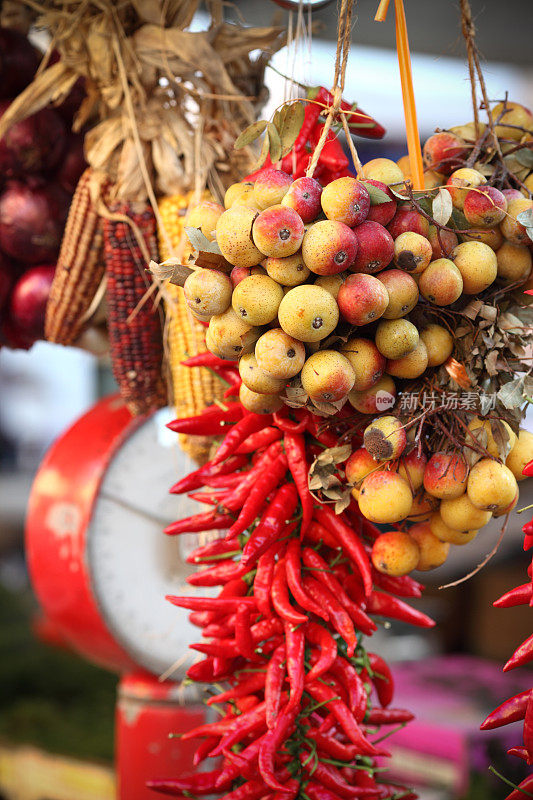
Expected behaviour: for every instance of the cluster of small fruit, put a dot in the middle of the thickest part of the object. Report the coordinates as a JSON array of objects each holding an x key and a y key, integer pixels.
[{"x": 447, "y": 501}]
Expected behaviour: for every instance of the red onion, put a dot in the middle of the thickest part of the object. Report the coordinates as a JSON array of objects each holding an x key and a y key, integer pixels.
[
  {"x": 72, "y": 164},
  {"x": 33, "y": 145},
  {"x": 7, "y": 277},
  {"x": 18, "y": 62},
  {"x": 29, "y": 298},
  {"x": 32, "y": 221}
]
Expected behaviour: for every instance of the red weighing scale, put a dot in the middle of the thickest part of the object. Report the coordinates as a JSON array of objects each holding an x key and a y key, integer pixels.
[{"x": 101, "y": 566}]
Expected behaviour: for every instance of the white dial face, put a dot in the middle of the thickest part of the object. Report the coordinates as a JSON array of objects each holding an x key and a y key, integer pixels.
[{"x": 133, "y": 564}]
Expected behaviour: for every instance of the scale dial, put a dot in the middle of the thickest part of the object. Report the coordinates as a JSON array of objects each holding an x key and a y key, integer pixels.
[{"x": 99, "y": 561}]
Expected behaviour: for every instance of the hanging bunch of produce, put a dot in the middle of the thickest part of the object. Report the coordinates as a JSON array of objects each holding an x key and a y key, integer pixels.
[
  {"x": 153, "y": 146},
  {"x": 40, "y": 163},
  {"x": 376, "y": 329}
]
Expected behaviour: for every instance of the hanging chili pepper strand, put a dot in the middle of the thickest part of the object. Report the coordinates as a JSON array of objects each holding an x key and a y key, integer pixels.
[{"x": 286, "y": 632}]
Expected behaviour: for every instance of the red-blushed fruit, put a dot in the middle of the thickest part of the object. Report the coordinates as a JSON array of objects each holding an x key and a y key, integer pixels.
[
  {"x": 384, "y": 497},
  {"x": 460, "y": 182},
  {"x": 412, "y": 467},
  {"x": 484, "y": 207},
  {"x": 362, "y": 299},
  {"x": 329, "y": 247},
  {"x": 359, "y": 465},
  {"x": 346, "y": 200},
  {"x": 380, "y": 397},
  {"x": 29, "y": 298},
  {"x": 304, "y": 197},
  {"x": 384, "y": 170},
  {"x": 278, "y": 231},
  {"x": 403, "y": 292},
  {"x": 423, "y": 506},
  {"x": 442, "y": 243},
  {"x": 32, "y": 221},
  {"x": 270, "y": 187},
  {"x": 395, "y": 553},
  {"x": 381, "y": 212},
  {"x": 407, "y": 219},
  {"x": 375, "y": 248},
  {"x": 433, "y": 552},
  {"x": 385, "y": 438},
  {"x": 512, "y": 194},
  {"x": 444, "y": 152},
  {"x": 446, "y": 475},
  {"x": 327, "y": 376},
  {"x": 513, "y": 230},
  {"x": 238, "y": 274},
  {"x": 366, "y": 360},
  {"x": 441, "y": 283}
]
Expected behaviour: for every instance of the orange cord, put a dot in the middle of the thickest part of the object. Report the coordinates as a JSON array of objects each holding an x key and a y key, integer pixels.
[{"x": 408, "y": 95}]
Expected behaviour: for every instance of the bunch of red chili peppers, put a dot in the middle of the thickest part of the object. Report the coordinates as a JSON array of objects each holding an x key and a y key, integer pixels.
[
  {"x": 298, "y": 718},
  {"x": 333, "y": 162},
  {"x": 519, "y": 707}
]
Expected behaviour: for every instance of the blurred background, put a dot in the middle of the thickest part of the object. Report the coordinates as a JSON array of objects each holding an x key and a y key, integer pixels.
[{"x": 51, "y": 699}]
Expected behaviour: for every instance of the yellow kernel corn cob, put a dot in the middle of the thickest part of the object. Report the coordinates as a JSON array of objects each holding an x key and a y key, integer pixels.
[
  {"x": 193, "y": 388},
  {"x": 80, "y": 264}
]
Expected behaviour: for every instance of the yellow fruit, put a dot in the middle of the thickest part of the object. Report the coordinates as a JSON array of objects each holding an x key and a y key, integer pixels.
[
  {"x": 207, "y": 292},
  {"x": 461, "y": 515},
  {"x": 279, "y": 355},
  {"x": 491, "y": 485},
  {"x": 384, "y": 170},
  {"x": 290, "y": 271},
  {"x": 514, "y": 262},
  {"x": 385, "y": 438},
  {"x": 477, "y": 264},
  {"x": 410, "y": 366},
  {"x": 513, "y": 230},
  {"x": 412, "y": 252},
  {"x": 234, "y": 237},
  {"x": 366, "y": 360},
  {"x": 395, "y": 553},
  {"x": 512, "y": 121},
  {"x": 385, "y": 497},
  {"x": 327, "y": 375},
  {"x": 433, "y": 552},
  {"x": 226, "y": 333},
  {"x": 423, "y": 506},
  {"x": 521, "y": 454},
  {"x": 479, "y": 428},
  {"x": 396, "y": 338},
  {"x": 331, "y": 283},
  {"x": 439, "y": 344},
  {"x": 257, "y": 379},
  {"x": 237, "y": 191},
  {"x": 256, "y": 299},
  {"x": 308, "y": 313},
  {"x": 445, "y": 534},
  {"x": 259, "y": 403}
]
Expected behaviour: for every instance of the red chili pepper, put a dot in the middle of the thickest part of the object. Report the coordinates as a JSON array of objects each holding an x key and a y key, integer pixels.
[
  {"x": 528, "y": 469},
  {"x": 248, "y": 755},
  {"x": 251, "y": 423},
  {"x": 205, "y": 360},
  {"x": 223, "y": 648},
  {"x": 207, "y": 521},
  {"x": 339, "y": 617},
  {"x": 243, "y": 634},
  {"x": 528, "y": 729},
  {"x": 203, "y": 750},
  {"x": 349, "y": 678},
  {"x": 203, "y": 671},
  {"x": 199, "y": 477},
  {"x": 210, "y": 422},
  {"x": 327, "y": 649},
  {"x": 328, "y": 776},
  {"x": 266, "y": 628},
  {"x": 297, "y": 460},
  {"x": 295, "y": 649},
  {"x": 250, "y": 723},
  {"x": 198, "y": 783},
  {"x": 270, "y": 746},
  {"x": 523, "y": 790},
  {"x": 208, "y": 552},
  {"x": 316, "y": 533},
  {"x": 385, "y": 605},
  {"x": 275, "y": 677},
  {"x": 515, "y": 597},
  {"x": 519, "y": 752},
  {"x": 382, "y": 679},
  {"x": 263, "y": 579},
  {"x": 323, "y": 574},
  {"x": 275, "y": 518},
  {"x": 311, "y": 114},
  {"x": 263, "y": 484},
  {"x": 404, "y": 586},
  {"x": 223, "y": 605},
  {"x": 317, "y": 791},
  {"x": 325, "y": 437},
  {"x": 325, "y": 695},
  {"x": 259, "y": 440},
  {"x": 332, "y": 746},
  {"x": 218, "y": 575},
  {"x": 388, "y": 716},
  {"x": 522, "y": 656},
  {"x": 395, "y": 790},
  {"x": 208, "y": 498},
  {"x": 349, "y": 541},
  {"x": 294, "y": 580},
  {"x": 252, "y": 683},
  {"x": 509, "y": 711},
  {"x": 371, "y": 130},
  {"x": 280, "y": 597},
  {"x": 332, "y": 155},
  {"x": 251, "y": 790}
]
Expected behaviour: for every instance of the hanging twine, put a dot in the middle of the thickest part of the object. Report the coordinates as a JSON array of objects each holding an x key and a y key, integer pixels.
[{"x": 344, "y": 34}]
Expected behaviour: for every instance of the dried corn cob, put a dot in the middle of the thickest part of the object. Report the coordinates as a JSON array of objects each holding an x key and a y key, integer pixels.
[
  {"x": 80, "y": 265},
  {"x": 134, "y": 328},
  {"x": 193, "y": 388}
]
